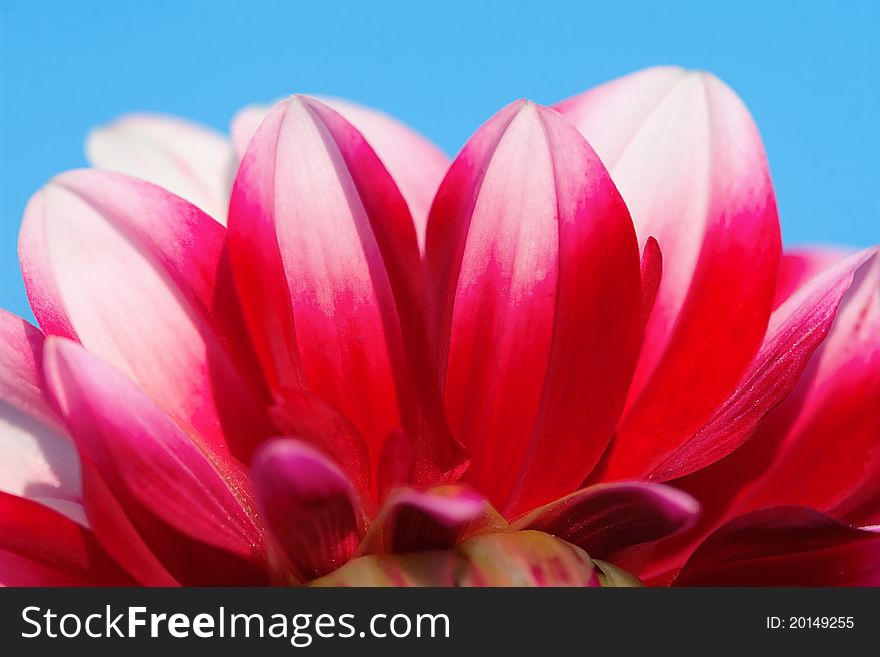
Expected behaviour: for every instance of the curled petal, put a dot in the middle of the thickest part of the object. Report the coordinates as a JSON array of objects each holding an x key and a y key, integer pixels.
[
  {"x": 796, "y": 330},
  {"x": 185, "y": 158},
  {"x": 527, "y": 238},
  {"x": 309, "y": 507},
  {"x": 519, "y": 559},
  {"x": 37, "y": 459},
  {"x": 831, "y": 425},
  {"x": 326, "y": 261},
  {"x": 784, "y": 546},
  {"x": 607, "y": 518},
  {"x": 652, "y": 272},
  {"x": 688, "y": 160},
  {"x": 827, "y": 424},
  {"x": 416, "y": 165},
  {"x": 411, "y": 520},
  {"x": 151, "y": 466},
  {"x": 137, "y": 276},
  {"x": 320, "y": 425}
]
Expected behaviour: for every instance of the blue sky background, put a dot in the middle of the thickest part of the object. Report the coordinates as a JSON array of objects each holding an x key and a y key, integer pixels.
[{"x": 809, "y": 71}]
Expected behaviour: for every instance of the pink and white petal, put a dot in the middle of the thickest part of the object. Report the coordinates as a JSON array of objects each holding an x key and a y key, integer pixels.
[
  {"x": 136, "y": 275},
  {"x": 412, "y": 520},
  {"x": 797, "y": 328},
  {"x": 309, "y": 507},
  {"x": 799, "y": 265},
  {"x": 416, "y": 165},
  {"x": 297, "y": 218},
  {"x": 524, "y": 558},
  {"x": 38, "y": 459},
  {"x": 187, "y": 159},
  {"x": 688, "y": 160},
  {"x": 147, "y": 461},
  {"x": 40, "y": 547},
  {"x": 527, "y": 237},
  {"x": 325, "y": 258},
  {"x": 607, "y": 518},
  {"x": 784, "y": 546}
]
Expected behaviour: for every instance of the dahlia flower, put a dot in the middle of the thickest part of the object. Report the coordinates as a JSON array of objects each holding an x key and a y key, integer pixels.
[{"x": 321, "y": 353}]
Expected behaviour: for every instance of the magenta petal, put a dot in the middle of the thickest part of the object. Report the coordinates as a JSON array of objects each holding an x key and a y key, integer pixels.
[
  {"x": 527, "y": 238},
  {"x": 309, "y": 507},
  {"x": 796, "y": 330},
  {"x": 146, "y": 459},
  {"x": 19, "y": 570},
  {"x": 396, "y": 463},
  {"x": 784, "y": 546},
  {"x": 117, "y": 534},
  {"x": 412, "y": 520},
  {"x": 607, "y": 518},
  {"x": 40, "y": 547}
]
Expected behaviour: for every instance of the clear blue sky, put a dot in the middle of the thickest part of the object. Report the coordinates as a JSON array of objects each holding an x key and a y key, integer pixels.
[{"x": 809, "y": 71}]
